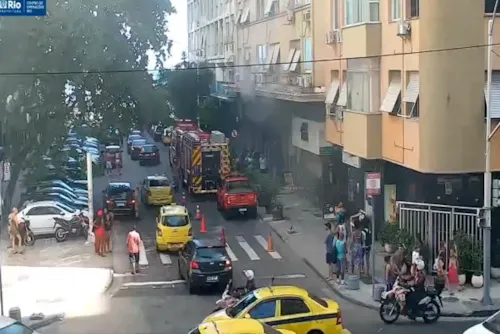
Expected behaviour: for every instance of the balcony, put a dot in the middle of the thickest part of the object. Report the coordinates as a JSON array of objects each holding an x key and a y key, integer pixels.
[
  {"x": 362, "y": 134},
  {"x": 289, "y": 87},
  {"x": 364, "y": 40},
  {"x": 224, "y": 91}
]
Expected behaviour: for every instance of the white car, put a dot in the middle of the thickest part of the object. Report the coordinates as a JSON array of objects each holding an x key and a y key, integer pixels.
[
  {"x": 489, "y": 326},
  {"x": 41, "y": 216},
  {"x": 11, "y": 326}
]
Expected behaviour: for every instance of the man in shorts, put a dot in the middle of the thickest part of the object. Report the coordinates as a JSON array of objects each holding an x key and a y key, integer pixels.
[
  {"x": 14, "y": 231},
  {"x": 133, "y": 244}
]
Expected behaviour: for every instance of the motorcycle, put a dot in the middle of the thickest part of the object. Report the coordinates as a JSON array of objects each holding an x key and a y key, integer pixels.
[
  {"x": 393, "y": 304},
  {"x": 227, "y": 300},
  {"x": 75, "y": 227},
  {"x": 29, "y": 236}
]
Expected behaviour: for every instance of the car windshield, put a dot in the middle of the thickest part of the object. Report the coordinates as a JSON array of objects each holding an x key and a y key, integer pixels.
[
  {"x": 150, "y": 148},
  {"x": 16, "y": 328},
  {"x": 248, "y": 300},
  {"x": 134, "y": 137},
  {"x": 119, "y": 192},
  {"x": 214, "y": 253},
  {"x": 174, "y": 221},
  {"x": 493, "y": 323},
  {"x": 139, "y": 142},
  {"x": 159, "y": 183},
  {"x": 231, "y": 185},
  {"x": 111, "y": 149}
]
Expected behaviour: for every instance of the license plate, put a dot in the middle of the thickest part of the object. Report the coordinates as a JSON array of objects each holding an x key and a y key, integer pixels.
[
  {"x": 120, "y": 205},
  {"x": 147, "y": 155},
  {"x": 243, "y": 210},
  {"x": 212, "y": 278},
  {"x": 329, "y": 216},
  {"x": 175, "y": 245}
]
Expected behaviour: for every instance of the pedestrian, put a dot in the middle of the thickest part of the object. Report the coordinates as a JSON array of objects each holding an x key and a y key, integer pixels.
[
  {"x": 341, "y": 253},
  {"x": 14, "y": 231},
  {"x": 133, "y": 245},
  {"x": 118, "y": 162},
  {"x": 440, "y": 278},
  {"x": 137, "y": 201},
  {"x": 331, "y": 257},
  {"x": 453, "y": 281},
  {"x": 108, "y": 226},
  {"x": 263, "y": 164},
  {"x": 389, "y": 273},
  {"x": 99, "y": 233},
  {"x": 109, "y": 164},
  {"x": 356, "y": 249},
  {"x": 367, "y": 246}
]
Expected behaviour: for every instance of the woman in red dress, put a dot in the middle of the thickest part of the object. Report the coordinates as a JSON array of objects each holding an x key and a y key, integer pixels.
[{"x": 100, "y": 233}]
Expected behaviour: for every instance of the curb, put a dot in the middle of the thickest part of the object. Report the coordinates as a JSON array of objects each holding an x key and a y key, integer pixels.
[
  {"x": 473, "y": 314},
  {"x": 108, "y": 286}
]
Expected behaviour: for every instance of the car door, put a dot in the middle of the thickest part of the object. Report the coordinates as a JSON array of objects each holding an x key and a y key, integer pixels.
[
  {"x": 264, "y": 311},
  {"x": 293, "y": 315},
  {"x": 50, "y": 212},
  {"x": 34, "y": 215},
  {"x": 145, "y": 189}
]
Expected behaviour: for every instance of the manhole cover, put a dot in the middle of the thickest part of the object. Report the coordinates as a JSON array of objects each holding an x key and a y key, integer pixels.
[{"x": 450, "y": 299}]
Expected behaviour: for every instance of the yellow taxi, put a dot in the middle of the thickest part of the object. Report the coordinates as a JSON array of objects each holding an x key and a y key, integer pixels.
[
  {"x": 173, "y": 228},
  {"x": 237, "y": 326},
  {"x": 286, "y": 307},
  {"x": 167, "y": 136},
  {"x": 157, "y": 190}
]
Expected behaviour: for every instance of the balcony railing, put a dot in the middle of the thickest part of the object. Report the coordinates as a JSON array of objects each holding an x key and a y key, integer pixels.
[
  {"x": 224, "y": 90},
  {"x": 291, "y": 87}
]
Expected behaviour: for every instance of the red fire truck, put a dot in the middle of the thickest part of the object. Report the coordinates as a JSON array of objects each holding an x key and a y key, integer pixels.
[
  {"x": 182, "y": 126},
  {"x": 204, "y": 161}
]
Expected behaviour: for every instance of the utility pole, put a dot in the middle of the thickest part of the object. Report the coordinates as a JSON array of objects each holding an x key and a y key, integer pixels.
[
  {"x": 90, "y": 188},
  {"x": 487, "y": 171}
]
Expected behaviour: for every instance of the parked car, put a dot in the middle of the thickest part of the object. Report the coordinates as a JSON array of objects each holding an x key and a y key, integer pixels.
[
  {"x": 488, "y": 326},
  {"x": 60, "y": 190},
  {"x": 130, "y": 139},
  {"x": 57, "y": 183},
  {"x": 119, "y": 197},
  {"x": 9, "y": 325},
  {"x": 51, "y": 196},
  {"x": 80, "y": 184},
  {"x": 149, "y": 154},
  {"x": 41, "y": 215},
  {"x": 136, "y": 148},
  {"x": 205, "y": 262}
]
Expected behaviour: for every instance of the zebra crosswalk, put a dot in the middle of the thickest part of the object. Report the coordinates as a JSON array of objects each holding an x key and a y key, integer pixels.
[{"x": 238, "y": 248}]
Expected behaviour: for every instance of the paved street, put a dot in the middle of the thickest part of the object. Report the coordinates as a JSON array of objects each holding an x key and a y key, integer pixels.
[{"x": 157, "y": 302}]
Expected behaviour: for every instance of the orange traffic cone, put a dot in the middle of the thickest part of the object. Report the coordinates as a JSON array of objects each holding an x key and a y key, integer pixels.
[
  {"x": 223, "y": 237},
  {"x": 198, "y": 214},
  {"x": 203, "y": 227},
  {"x": 270, "y": 247}
]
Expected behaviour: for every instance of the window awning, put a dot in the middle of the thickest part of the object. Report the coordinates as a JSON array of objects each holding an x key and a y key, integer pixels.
[
  {"x": 245, "y": 15},
  {"x": 276, "y": 54},
  {"x": 269, "y": 6},
  {"x": 342, "y": 100},
  {"x": 333, "y": 92},
  {"x": 295, "y": 61},
  {"x": 413, "y": 89},
  {"x": 495, "y": 94},
  {"x": 238, "y": 16},
  {"x": 289, "y": 59},
  {"x": 393, "y": 92}
]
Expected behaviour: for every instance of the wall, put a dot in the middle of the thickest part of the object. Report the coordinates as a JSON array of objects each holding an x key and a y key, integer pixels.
[{"x": 316, "y": 133}]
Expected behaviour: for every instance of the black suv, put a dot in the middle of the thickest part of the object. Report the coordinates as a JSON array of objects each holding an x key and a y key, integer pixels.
[
  {"x": 205, "y": 262},
  {"x": 119, "y": 197}
]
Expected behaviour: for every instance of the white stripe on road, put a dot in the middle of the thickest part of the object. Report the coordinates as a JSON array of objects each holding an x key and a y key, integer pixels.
[
  {"x": 165, "y": 259},
  {"x": 231, "y": 254},
  {"x": 263, "y": 242},
  {"x": 143, "y": 258},
  {"x": 153, "y": 283},
  {"x": 246, "y": 247}
]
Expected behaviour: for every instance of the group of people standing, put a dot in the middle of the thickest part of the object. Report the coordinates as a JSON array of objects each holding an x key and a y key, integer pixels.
[
  {"x": 348, "y": 246},
  {"x": 103, "y": 231},
  {"x": 113, "y": 159}
]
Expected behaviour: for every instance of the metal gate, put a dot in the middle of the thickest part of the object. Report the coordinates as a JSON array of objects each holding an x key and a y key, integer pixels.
[{"x": 434, "y": 223}]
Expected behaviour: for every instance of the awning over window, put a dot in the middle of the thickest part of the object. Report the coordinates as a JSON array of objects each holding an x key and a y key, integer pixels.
[
  {"x": 269, "y": 6},
  {"x": 495, "y": 94},
  {"x": 333, "y": 92},
  {"x": 413, "y": 89},
  {"x": 392, "y": 95},
  {"x": 342, "y": 100},
  {"x": 245, "y": 16},
  {"x": 276, "y": 54},
  {"x": 295, "y": 61},
  {"x": 286, "y": 65}
]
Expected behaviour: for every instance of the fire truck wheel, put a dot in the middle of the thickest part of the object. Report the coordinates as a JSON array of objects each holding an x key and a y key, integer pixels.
[{"x": 219, "y": 208}]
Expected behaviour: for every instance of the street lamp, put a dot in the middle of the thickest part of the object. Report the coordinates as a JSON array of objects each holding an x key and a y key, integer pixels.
[{"x": 487, "y": 169}]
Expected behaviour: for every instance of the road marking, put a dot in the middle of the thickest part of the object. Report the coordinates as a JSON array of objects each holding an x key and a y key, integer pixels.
[
  {"x": 165, "y": 259},
  {"x": 246, "y": 247},
  {"x": 263, "y": 242},
  {"x": 130, "y": 284},
  {"x": 231, "y": 254},
  {"x": 143, "y": 258}
]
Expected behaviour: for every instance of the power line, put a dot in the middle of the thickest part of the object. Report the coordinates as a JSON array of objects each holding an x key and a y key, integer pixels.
[{"x": 80, "y": 72}]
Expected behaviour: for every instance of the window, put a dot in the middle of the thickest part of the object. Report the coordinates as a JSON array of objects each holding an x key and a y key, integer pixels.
[
  {"x": 411, "y": 95},
  {"x": 396, "y": 10},
  {"x": 318, "y": 300},
  {"x": 294, "y": 65},
  {"x": 16, "y": 328},
  {"x": 415, "y": 8},
  {"x": 247, "y": 300},
  {"x": 215, "y": 253},
  {"x": 358, "y": 91},
  {"x": 304, "y": 131},
  {"x": 292, "y": 306},
  {"x": 361, "y": 11},
  {"x": 271, "y": 7},
  {"x": 335, "y": 14},
  {"x": 150, "y": 148},
  {"x": 159, "y": 183},
  {"x": 52, "y": 210},
  {"x": 174, "y": 221},
  {"x": 260, "y": 8},
  {"x": 289, "y": 59},
  {"x": 392, "y": 99},
  {"x": 37, "y": 212},
  {"x": 308, "y": 54},
  {"x": 262, "y": 56},
  {"x": 263, "y": 310}
]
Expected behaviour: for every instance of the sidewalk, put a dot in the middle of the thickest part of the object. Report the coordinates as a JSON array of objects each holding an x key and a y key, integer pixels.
[{"x": 308, "y": 242}]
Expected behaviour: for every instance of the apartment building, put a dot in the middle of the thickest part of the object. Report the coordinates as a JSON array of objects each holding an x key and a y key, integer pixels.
[{"x": 406, "y": 97}]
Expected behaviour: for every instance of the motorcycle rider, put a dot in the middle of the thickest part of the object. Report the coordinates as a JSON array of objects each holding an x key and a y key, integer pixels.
[
  {"x": 249, "y": 285},
  {"x": 417, "y": 289}
]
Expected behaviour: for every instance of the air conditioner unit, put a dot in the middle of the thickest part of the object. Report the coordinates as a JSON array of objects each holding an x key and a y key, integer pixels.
[
  {"x": 306, "y": 16},
  {"x": 289, "y": 15},
  {"x": 300, "y": 81},
  {"x": 307, "y": 81},
  {"x": 248, "y": 55},
  {"x": 338, "y": 36},
  {"x": 330, "y": 37},
  {"x": 404, "y": 29}
]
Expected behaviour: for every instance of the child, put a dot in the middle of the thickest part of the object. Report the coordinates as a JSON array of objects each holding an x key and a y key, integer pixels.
[
  {"x": 440, "y": 278},
  {"x": 341, "y": 251},
  {"x": 453, "y": 272},
  {"x": 389, "y": 275}
]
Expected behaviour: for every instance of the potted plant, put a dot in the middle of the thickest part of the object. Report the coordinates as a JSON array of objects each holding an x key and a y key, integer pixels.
[
  {"x": 477, "y": 279},
  {"x": 389, "y": 237}
]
